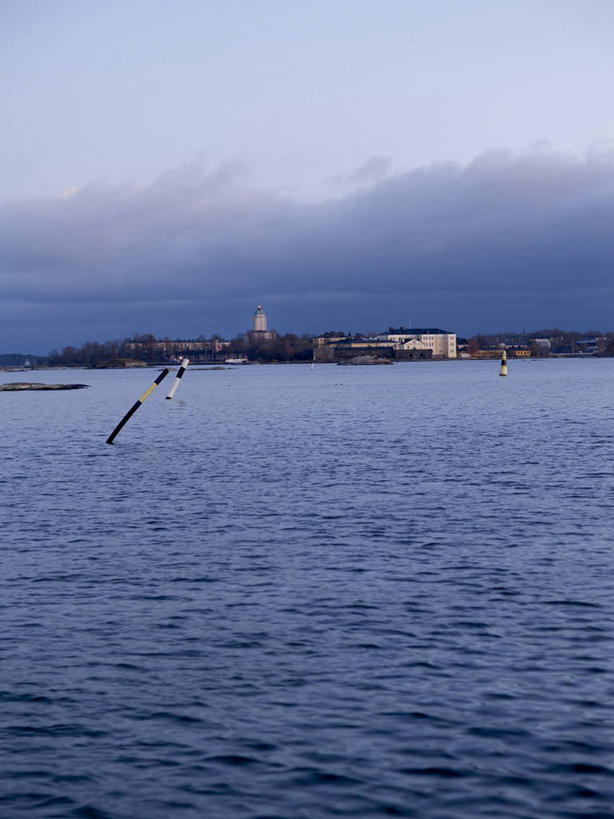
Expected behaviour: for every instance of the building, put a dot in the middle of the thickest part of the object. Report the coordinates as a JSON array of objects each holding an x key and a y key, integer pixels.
[
  {"x": 197, "y": 350},
  {"x": 259, "y": 323},
  {"x": 398, "y": 343},
  {"x": 512, "y": 351},
  {"x": 441, "y": 343},
  {"x": 351, "y": 347},
  {"x": 259, "y": 332},
  {"x": 491, "y": 352},
  {"x": 590, "y": 345}
]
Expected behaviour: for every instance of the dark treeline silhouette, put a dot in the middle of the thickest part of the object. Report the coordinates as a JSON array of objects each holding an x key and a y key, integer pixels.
[
  {"x": 19, "y": 359},
  {"x": 149, "y": 349},
  {"x": 290, "y": 347},
  {"x": 89, "y": 354}
]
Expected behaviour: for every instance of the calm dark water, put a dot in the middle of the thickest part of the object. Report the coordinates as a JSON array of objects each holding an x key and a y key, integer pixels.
[{"x": 293, "y": 593}]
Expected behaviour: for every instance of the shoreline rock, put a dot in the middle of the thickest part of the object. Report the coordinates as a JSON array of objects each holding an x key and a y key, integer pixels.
[
  {"x": 364, "y": 359},
  {"x": 118, "y": 364},
  {"x": 20, "y": 386}
]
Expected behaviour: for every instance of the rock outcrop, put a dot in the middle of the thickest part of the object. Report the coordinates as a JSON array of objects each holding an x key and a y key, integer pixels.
[
  {"x": 17, "y": 386},
  {"x": 365, "y": 359}
]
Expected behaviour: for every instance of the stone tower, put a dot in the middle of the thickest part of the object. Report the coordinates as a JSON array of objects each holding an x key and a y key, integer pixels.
[{"x": 259, "y": 321}]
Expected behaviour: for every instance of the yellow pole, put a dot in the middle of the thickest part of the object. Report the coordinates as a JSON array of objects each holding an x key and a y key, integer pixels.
[{"x": 136, "y": 405}]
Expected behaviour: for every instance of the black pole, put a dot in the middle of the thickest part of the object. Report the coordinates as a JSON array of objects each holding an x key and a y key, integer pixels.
[{"x": 136, "y": 405}]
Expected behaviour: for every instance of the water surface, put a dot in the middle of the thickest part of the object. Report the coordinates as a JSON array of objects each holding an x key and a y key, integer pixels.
[{"x": 352, "y": 591}]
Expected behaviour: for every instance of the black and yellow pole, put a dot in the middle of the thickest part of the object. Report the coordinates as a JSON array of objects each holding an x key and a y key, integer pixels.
[{"x": 136, "y": 405}]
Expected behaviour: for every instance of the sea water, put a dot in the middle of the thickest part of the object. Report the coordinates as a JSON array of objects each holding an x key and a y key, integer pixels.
[{"x": 346, "y": 591}]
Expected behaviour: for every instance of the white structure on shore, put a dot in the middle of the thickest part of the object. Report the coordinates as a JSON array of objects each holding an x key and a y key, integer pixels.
[
  {"x": 401, "y": 343},
  {"x": 442, "y": 344},
  {"x": 259, "y": 332},
  {"x": 259, "y": 325}
]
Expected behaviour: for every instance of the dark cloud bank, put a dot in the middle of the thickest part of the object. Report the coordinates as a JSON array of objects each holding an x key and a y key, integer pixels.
[{"x": 504, "y": 243}]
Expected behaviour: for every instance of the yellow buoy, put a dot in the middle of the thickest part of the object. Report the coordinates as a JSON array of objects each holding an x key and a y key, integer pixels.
[{"x": 503, "y": 367}]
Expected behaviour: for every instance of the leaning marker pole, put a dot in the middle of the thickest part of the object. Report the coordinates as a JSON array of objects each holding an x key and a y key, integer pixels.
[
  {"x": 178, "y": 377},
  {"x": 136, "y": 405}
]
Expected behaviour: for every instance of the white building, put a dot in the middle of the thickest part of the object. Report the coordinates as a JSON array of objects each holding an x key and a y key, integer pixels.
[
  {"x": 259, "y": 332},
  {"x": 442, "y": 343},
  {"x": 259, "y": 324}
]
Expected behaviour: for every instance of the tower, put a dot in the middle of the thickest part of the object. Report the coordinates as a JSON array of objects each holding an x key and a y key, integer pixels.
[{"x": 259, "y": 325}]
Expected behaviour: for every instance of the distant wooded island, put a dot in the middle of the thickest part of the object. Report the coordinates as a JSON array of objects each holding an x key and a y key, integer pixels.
[{"x": 334, "y": 345}]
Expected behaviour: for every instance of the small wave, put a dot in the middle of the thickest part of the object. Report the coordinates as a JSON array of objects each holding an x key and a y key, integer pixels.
[{"x": 446, "y": 773}]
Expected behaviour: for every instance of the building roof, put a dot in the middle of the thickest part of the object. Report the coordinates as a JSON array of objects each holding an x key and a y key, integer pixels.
[{"x": 418, "y": 331}]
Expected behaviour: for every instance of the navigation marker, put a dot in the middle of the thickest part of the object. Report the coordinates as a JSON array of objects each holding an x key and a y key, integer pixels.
[
  {"x": 503, "y": 367},
  {"x": 182, "y": 369},
  {"x": 136, "y": 405}
]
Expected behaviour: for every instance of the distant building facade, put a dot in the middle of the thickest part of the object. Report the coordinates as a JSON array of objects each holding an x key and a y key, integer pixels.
[
  {"x": 400, "y": 343},
  {"x": 590, "y": 345},
  {"x": 259, "y": 323},
  {"x": 259, "y": 331},
  {"x": 197, "y": 350},
  {"x": 441, "y": 343}
]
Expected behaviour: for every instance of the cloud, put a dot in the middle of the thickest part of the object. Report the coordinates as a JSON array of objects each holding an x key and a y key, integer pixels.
[
  {"x": 374, "y": 170},
  {"x": 509, "y": 240}
]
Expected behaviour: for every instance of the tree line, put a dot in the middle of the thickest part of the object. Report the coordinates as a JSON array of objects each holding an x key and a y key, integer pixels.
[
  {"x": 290, "y": 347},
  {"x": 561, "y": 341},
  {"x": 151, "y": 350}
]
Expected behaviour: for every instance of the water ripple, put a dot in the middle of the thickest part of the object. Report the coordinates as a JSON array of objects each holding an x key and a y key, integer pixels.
[{"x": 294, "y": 597}]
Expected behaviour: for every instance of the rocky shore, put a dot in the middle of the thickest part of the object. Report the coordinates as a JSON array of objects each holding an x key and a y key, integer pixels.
[
  {"x": 360, "y": 360},
  {"x": 18, "y": 386}
]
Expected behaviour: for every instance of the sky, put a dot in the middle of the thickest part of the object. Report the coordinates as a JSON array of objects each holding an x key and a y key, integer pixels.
[{"x": 164, "y": 167}]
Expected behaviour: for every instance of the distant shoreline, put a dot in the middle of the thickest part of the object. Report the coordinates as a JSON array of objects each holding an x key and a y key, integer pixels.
[{"x": 221, "y": 366}]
